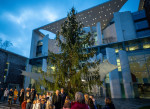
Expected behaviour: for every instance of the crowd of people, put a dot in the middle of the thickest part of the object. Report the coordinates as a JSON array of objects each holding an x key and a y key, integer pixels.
[{"x": 29, "y": 99}]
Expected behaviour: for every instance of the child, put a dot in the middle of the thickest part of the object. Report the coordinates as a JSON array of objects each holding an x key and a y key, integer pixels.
[
  {"x": 28, "y": 105},
  {"x": 23, "y": 105}
]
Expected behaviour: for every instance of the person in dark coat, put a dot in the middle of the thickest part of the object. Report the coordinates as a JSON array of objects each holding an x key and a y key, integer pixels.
[
  {"x": 11, "y": 94},
  {"x": 27, "y": 93},
  {"x": 32, "y": 95},
  {"x": 108, "y": 104},
  {"x": 1, "y": 93},
  {"x": 91, "y": 104},
  {"x": 63, "y": 97},
  {"x": 28, "y": 105},
  {"x": 56, "y": 100},
  {"x": 21, "y": 96}
]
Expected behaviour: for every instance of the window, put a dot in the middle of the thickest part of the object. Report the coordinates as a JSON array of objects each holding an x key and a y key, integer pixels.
[
  {"x": 132, "y": 48},
  {"x": 145, "y": 46},
  {"x": 118, "y": 64}
]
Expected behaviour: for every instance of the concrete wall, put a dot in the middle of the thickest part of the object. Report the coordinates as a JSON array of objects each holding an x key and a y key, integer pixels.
[
  {"x": 14, "y": 64},
  {"x": 126, "y": 74},
  {"x": 45, "y": 46},
  {"x": 52, "y": 46},
  {"x": 35, "y": 39},
  {"x": 113, "y": 75},
  {"x": 99, "y": 34},
  {"x": 125, "y": 27},
  {"x": 110, "y": 34}
]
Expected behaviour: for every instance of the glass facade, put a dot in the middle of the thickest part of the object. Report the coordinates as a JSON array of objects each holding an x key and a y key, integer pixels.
[{"x": 139, "y": 62}]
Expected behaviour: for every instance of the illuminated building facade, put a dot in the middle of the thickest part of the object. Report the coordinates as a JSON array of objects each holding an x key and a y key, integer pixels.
[{"x": 123, "y": 38}]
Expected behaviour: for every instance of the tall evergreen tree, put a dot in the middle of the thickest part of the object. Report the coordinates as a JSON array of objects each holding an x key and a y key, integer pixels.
[{"x": 71, "y": 65}]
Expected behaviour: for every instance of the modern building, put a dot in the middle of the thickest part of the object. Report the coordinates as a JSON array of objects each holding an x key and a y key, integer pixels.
[
  {"x": 123, "y": 38},
  {"x": 11, "y": 65}
]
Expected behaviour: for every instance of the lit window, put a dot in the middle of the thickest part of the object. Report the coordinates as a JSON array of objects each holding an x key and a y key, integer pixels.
[
  {"x": 100, "y": 17},
  {"x": 118, "y": 64},
  {"x": 6, "y": 69},
  {"x": 85, "y": 17},
  {"x": 110, "y": 13},
  {"x": 118, "y": 60},
  {"x": 99, "y": 12},
  {"x": 119, "y": 68},
  {"x": 53, "y": 68},
  {"x": 118, "y": 5},
  {"x": 7, "y": 62},
  {"x": 146, "y": 46},
  {"x": 132, "y": 48},
  {"x": 104, "y": 23},
  {"x": 116, "y": 50},
  {"x": 105, "y": 15},
  {"x": 95, "y": 18}
]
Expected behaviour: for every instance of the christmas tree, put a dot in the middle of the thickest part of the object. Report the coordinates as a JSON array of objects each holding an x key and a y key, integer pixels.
[{"x": 72, "y": 63}]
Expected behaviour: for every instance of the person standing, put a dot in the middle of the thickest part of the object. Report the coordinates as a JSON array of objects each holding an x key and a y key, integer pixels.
[
  {"x": 21, "y": 96},
  {"x": 28, "y": 105},
  {"x": 32, "y": 96},
  {"x": 56, "y": 100},
  {"x": 10, "y": 96},
  {"x": 23, "y": 105},
  {"x": 1, "y": 93},
  {"x": 63, "y": 97},
  {"x": 27, "y": 93},
  {"x": 109, "y": 104},
  {"x": 15, "y": 95},
  {"x": 79, "y": 102},
  {"x": 6, "y": 92}
]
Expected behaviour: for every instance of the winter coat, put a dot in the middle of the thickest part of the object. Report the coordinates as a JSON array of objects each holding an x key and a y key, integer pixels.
[
  {"x": 63, "y": 97},
  {"x": 21, "y": 97},
  {"x": 23, "y": 105},
  {"x": 28, "y": 105},
  {"x": 56, "y": 100},
  {"x": 77, "y": 105},
  {"x": 38, "y": 106},
  {"x": 6, "y": 92},
  {"x": 15, "y": 94}
]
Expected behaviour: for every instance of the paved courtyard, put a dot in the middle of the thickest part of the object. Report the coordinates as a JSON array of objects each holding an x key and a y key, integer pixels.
[
  {"x": 119, "y": 103},
  {"x": 127, "y": 103},
  {"x": 6, "y": 106}
]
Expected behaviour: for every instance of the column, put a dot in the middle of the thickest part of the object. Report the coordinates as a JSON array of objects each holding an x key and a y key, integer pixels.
[
  {"x": 27, "y": 79},
  {"x": 113, "y": 75},
  {"x": 44, "y": 65},
  {"x": 45, "y": 46},
  {"x": 99, "y": 34},
  {"x": 126, "y": 75}
]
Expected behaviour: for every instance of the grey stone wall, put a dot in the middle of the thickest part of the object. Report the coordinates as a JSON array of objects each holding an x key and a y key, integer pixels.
[{"x": 16, "y": 64}]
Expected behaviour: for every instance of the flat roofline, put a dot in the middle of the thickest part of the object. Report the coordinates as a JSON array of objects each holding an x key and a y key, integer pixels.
[{"x": 6, "y": 51}]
